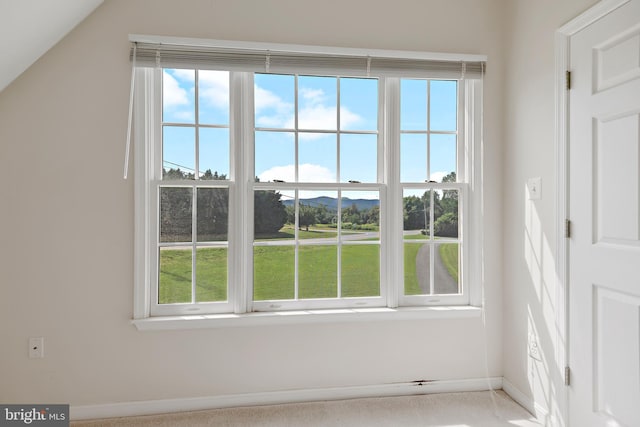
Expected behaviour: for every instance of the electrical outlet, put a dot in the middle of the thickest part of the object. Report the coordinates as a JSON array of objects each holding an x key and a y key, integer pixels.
[
  {"x": 534, "y": 350},
  {"x": 36, "y": 348}
]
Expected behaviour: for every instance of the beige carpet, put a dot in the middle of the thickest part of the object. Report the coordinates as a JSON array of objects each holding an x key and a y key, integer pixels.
[{"x": 475, "y": 409}]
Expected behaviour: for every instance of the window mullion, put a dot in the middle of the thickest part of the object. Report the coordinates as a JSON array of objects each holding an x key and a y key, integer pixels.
[
  {"x": 432, "y": 244},
  {"x": 194, "y": 239},
  {"x": 154, "y": 143},
  {"x": 339, "y": 179},
  {"x": 241, "y": 191},
  {"x": 389, "y": 103},
  {"x": 428, "y": 130},
  {"x": 339, "y": 245}
]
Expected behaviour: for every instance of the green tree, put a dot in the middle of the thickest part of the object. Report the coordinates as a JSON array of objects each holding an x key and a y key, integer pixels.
[
  {"x": 415, "y": 212},
  {"x": 269, "y": 214},
  {"x": 450, "y": 177},
  {"x": 324, "y": 215},
  {"x": 446, "y": 225},
  {"x": 306, "y": 216},
  {"x": 371, "y": 216},
  {"x": 351, "y": 214},
  {"x": 446, "y": 212},
  {"x": 175, "y": 174}
]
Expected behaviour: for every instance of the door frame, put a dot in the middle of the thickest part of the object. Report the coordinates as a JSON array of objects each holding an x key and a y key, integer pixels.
[{"x": 563, "y": 286}]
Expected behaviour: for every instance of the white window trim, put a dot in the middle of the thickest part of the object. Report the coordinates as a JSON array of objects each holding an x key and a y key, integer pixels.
[
  {"x": 470, "y": 139},
  {"x": 228, "y": 320}
]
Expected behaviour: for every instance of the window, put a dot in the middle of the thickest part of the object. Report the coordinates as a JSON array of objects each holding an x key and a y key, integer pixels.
[
  {"x": 316, "y": 151},
  {"x": 278, "y": 181}
]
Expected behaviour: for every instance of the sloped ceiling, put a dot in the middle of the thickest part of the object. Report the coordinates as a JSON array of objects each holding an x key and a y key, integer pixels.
[{"x": 29, "y": 28}]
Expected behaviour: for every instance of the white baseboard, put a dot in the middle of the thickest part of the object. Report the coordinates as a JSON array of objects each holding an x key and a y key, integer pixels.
[
  {"x": 151, "y": 407},
  {"x": 525, "y": 401}
]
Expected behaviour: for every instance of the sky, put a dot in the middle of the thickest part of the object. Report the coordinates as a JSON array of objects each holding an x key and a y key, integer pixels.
[{"x": 319, "y": 159}]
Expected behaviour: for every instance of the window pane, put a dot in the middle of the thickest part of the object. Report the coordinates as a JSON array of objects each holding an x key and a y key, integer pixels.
[
  {"x": 212, "y": 214},
  {"x": 273, "y": 272},
  {"x": 416, "y": 269},
  {"x": 360, "y": 215},
  {"x": 443, "y": 157},
  {"x": 446, "y": 268},
  {"x": 214, "y": 153},
  {"x": 174, "y": 276},
  {"x": 318, "y": 271},
  {"x": 178, "y": 94},
  {"x": 358, "y": 104},
  {"x": 317, "y": 157},
  {"x": 444, "y": 105},
  {"x": 270, "y": 216},
  {"x": 413, "y": 158},
  {"x": 358, "y": 158},
  {"x": 416, "y": 214},
  {"x": 178, "y": 152},
  {"x": 317, "y": 103},
  {"x": 360, "y": 270},
  {"x": 211, "y": 274},
  {"x": 274, "y": 156},
  {"x": 274, "y": 97},
  {"x": 445, "y": 219},
  {"x": 317, "y": 215},
  {"x": 175, "y": 214},
  {"x": 413, "y": 104},
  {"x": 213, "y": 97}
]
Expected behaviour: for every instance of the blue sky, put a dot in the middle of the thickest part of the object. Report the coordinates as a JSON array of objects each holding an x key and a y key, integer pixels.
[{"x": 317, "y": 110}]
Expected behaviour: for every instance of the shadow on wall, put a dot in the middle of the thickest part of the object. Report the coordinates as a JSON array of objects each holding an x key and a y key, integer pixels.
[{"x": 545, "y": 337}]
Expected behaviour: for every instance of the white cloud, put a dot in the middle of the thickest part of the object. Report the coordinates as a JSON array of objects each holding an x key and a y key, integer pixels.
[
  {"x": 313, "y": 96},
  {"x": 437, "y": 176},
  {"x": 322, "y": 117},
  {"x": 173, "y": 95},
  {"x": 307, "y": 173},
  {"x": 273, "y": 111},
  {"x": 214, "y": 88}
]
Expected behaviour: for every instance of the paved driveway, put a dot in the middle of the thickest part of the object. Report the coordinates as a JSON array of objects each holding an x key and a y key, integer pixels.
[{"x": 443, "y": 282}]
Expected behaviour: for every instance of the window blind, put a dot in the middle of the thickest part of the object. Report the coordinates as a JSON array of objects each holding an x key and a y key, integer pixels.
[{"x": 283, "y": 62}]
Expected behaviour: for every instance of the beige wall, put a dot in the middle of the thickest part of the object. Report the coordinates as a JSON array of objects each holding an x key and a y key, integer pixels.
[
  {"x": 67, "y": 217},
  {"x": 529, "y": 276}
]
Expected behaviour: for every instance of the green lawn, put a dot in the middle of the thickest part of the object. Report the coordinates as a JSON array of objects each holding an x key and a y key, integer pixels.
[
  {"x": 411, "y": 286},
  {"x": 274, "y": 272},
  {"x": 449, "y": 255},
  {"x": 175, "y": 275},
  {"x": 318, "y": 276}
]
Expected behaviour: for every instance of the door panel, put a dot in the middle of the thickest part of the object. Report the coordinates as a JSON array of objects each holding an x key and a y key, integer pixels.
[{"x": 604, "y": 207}]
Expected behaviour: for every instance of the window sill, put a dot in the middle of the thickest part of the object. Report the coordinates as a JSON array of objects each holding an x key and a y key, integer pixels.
[{"x": 304, "y": 317}]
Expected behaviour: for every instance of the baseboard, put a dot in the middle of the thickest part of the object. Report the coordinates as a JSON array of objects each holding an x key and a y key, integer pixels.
[
  {"x": 525, "y": 401},
  {"x": 152, "y": 407}
]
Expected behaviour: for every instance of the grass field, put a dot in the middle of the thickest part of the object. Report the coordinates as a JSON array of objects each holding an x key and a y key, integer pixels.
[
  {"x": 274, "y": 272},
  {"x": 175, "y": 275},
  {"x": 449, "y": 255},
  {"x": 288, "y": 232}
]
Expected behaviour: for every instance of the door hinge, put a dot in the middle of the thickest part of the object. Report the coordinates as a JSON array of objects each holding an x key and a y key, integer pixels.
[
  {"x": 567, "y": 375},
  {"x": 567, "y": 77},
  {"x": 567, "y": 228}
]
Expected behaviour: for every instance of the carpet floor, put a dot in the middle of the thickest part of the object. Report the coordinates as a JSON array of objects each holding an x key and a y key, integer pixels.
[{"x": 472, "y": 409}]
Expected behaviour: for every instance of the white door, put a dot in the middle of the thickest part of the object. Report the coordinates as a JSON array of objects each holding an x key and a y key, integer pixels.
[{"x": 604, "y": 208}]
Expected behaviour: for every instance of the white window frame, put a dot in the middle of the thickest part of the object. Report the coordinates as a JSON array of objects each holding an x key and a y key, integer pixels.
[
  {"x": 241, "y": 185},
  {"x": 462, "y": 163}
]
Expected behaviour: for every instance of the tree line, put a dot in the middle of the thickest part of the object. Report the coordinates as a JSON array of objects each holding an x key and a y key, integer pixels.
[{"x": 270, "y": 214}]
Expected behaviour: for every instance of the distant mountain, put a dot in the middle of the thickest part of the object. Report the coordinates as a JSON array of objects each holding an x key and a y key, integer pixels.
[{"x": 332, "y": 203}]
